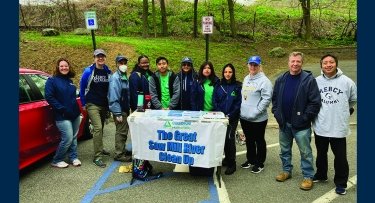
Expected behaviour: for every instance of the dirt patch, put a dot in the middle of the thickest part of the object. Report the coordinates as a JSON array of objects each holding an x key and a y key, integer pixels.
[{"x": 41, "y": 55}]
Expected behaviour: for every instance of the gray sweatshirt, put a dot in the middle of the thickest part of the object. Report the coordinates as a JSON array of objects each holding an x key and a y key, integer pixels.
[
  {"x": 256, "y": 97},
  {"x": 338, "y": 93}
]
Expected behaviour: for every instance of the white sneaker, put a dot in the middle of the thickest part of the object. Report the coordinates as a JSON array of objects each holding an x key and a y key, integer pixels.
[
  {"x": 76, "y": 162},
  {"x": 61, "y": 164}
]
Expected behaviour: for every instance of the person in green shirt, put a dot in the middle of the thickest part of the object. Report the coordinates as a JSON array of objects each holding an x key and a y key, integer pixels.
[
  {"x": 203, "y": 88},
  {"x": 202, "y": 100},
  {"x": 164, "y": 86}
]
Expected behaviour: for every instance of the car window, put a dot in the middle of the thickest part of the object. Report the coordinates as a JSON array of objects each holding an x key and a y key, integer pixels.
[
  {"x": 40, "y": 82},
  {"x": 24, "y": 91}
]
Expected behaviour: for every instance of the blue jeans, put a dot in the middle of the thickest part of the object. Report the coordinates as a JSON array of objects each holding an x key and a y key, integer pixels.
[
  {"x": 303, "y": 139},
  {"x": 68, "y": 144}
]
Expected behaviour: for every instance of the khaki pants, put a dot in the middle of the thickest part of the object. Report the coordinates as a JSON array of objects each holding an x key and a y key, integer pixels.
[
  {"x": 121, "y": 135},
  {"x": 97, "y": 115}
]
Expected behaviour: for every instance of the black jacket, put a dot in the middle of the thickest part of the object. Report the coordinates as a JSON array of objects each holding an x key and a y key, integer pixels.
[{"x": 306, "y": 104}]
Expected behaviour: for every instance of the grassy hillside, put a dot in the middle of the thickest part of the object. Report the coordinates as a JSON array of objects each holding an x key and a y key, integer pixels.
[{"x": 38, "y": 52}]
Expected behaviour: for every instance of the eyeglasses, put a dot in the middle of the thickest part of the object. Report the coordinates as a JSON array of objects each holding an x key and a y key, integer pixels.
[
  {"x": 186, "y": 64},
  {"x": 100, "y": 56}
]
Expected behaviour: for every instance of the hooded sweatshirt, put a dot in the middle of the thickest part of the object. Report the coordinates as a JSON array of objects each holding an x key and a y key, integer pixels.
[
  {"x": 256, "y": 97},
  {"x": 338, "y": 93},
  {"x": 186, "y": 82}
]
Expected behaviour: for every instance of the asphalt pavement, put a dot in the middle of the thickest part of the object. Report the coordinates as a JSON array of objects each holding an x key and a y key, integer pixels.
[{"x": 89, "y": 183}]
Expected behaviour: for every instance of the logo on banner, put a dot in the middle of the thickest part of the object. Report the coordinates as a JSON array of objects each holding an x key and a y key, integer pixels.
[{"x": 168, "y": 124}]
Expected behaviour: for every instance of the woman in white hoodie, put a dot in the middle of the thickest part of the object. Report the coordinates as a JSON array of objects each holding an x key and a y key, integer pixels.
[
  {"x": 331, "y": 126},
  {"x": 256, "y": 97}
]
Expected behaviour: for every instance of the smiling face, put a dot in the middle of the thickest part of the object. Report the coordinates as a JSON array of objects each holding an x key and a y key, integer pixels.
[
  {"x": 100, "y": 60},
  {"x": 228, "y": 73},
  {"x": 253, "y": 68},
  {"x": 162, "y": 66},
  {"x": 295, "y": 64},
  {"x": 206, "y": 71},
  {"x": 144, "y": 63},
  {"x": 63, "y": 67},
  {"x": 329, "y": 66},
  {"x": 186, "y": 67}
]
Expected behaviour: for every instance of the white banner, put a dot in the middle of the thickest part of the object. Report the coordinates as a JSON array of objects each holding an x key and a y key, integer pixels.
[{"x": 195, "y": 142}]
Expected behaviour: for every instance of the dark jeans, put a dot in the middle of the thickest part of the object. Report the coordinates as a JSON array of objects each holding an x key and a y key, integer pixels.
[
  {"x": 338, "y": 146},
  {"x": 255, "y": 142},
  {"x": 230, "y": 143}
]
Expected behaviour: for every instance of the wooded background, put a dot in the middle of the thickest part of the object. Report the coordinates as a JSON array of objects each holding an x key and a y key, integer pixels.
[{"x": 283, "y": 19}]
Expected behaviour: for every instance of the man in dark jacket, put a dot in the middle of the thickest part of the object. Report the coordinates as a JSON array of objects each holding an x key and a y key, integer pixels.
[{"x": 295, "y": 103}]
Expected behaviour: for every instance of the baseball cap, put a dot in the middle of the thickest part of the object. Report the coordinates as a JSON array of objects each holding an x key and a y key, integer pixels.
[
  {"x": 120, "y": 57},
  {"x": 99, "y": 51},
  {"x": 187, "y": 60},
  {"x": 254, "y": 59}
]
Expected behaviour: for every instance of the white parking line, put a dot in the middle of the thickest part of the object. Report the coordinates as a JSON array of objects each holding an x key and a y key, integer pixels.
[
  {"x": 223, "y": 193},
  {"x": 331, "y": 195}
]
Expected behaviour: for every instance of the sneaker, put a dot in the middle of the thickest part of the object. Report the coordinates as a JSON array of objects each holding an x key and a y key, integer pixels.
[
  {"x": 340, "y": 190},
  {"x": 317, "y": 180},
  {"x": 61, "y": 164},
  {"x": 105, "y": 152},
  {"x": 257, "y": 169},
  {"x": 306, "y": 184},
  {"x": 283, "y": 176},
  {"x": 76, "y": 162},
  {"x": 230, "y": 170},
  {"x": 123, "y": 158},
  {"x": 99, "y": 162},
  {"x": 246, "y": 165}
]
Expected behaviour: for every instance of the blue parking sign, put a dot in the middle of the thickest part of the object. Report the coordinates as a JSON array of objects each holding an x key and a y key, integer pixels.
[{"x": 91, "y": 23}]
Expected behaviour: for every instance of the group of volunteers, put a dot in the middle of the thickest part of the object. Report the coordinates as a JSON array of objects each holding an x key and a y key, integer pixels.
[{"x": 300, "y": 104}]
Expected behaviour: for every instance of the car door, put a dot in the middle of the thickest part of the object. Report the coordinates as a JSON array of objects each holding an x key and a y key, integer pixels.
[{"x": 38, "y": 135}]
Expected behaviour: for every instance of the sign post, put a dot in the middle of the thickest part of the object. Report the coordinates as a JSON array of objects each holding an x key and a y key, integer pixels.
[
  {"x": 207, "y": 28},
  {"x": 91, "y": 24}
]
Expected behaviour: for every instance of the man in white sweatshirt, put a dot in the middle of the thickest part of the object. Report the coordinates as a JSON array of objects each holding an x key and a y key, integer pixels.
[{"x": 331, "y": 126}]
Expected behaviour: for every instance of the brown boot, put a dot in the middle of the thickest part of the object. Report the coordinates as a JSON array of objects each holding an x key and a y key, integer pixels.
[
  {"x": 283, "y": 176},
  {"x": 306, "y": 184}
]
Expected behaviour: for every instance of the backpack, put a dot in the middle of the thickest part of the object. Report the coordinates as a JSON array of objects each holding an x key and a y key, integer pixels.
[{"x": 142, "y": 170}]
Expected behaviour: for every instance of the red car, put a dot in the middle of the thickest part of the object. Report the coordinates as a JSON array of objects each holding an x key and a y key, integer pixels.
[{"x": 38, "y": 134}]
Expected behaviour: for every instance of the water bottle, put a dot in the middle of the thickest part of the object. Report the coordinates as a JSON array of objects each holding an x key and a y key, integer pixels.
[{"x": 140, "y": 102}]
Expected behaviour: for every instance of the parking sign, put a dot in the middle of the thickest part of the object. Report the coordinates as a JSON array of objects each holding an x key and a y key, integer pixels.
[
  {"x": 207, "y": 24},
  {"x": 90, "y": 19}
]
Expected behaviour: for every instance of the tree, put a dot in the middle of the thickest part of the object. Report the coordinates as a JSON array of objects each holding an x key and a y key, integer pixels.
[
  {"x": 145, "y": 18},
  {"x": 305, "y": 4},
  {"x": 154, "y": 16},
  {"x": 69, "y": 12},
  {"x": 23, "y": 16},
  {"x": 195, "y": 23},
  {"x": 163, "y": 18},
  {"x": 231, "y": 18}
]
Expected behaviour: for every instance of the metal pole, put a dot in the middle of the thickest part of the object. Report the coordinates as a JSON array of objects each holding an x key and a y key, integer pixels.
[
  {"x": 93, "y": 39},
  {"x": 206, "y": 47}
]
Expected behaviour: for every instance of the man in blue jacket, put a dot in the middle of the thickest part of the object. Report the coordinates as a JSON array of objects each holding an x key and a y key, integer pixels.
[
  {"x": 118, "y": 99},
  {"x": 93, "y": 92},
  {"x": 295, "y": 104}
]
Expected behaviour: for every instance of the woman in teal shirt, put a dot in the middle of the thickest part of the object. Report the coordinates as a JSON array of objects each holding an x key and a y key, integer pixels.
[
  {"x": 202, "y": 100},
  {"x": 203, "y": 88}
]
